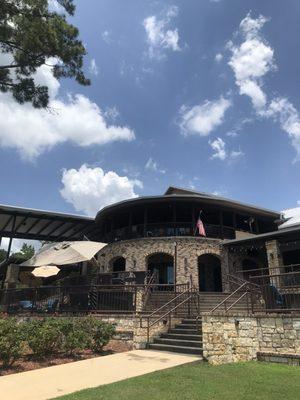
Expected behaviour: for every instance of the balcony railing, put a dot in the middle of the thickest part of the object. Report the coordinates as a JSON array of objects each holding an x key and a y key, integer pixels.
[{"x": 168, "y": 230}]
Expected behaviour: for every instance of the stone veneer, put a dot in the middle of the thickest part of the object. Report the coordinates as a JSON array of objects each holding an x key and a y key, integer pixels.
[
  {"x": 240, "y": 338},
  {"x": 186, "y": 251},
  {"x": 130, "y": 329}
]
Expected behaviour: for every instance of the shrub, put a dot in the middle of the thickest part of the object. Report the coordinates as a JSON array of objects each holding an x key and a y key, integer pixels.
[
  {"x": 11, "y": 341},
  {"x": 99, "y": 332},
  {"x": 44, "y": 336},
  {"x": 74, "y": 335}
]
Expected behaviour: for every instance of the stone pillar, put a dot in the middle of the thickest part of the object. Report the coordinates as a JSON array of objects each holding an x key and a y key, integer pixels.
[
  {"x": 275, "y": 262},
  {"x": 12, "y": 275}
]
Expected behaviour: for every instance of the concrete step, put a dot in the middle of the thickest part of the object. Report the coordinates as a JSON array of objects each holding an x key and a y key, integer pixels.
[
  {"x": 188, "y": 326},
  {"x": 181, "y": 336},
  {"x": 179, "y": 331},
  {"x": 176, "y": 349},
  {"x": 177, "y": 342}
]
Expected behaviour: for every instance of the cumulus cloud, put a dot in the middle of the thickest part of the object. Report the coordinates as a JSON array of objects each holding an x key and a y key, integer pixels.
[
  {"x": 251, "y": 60},
  {"x": 152, "y": 165},
  {"x": 158, "y": 35},
  {"x": 76, "y": 120},
  {"x": 202, "y": 119},
  {"x": 282, "y": 110},
  {"x": 220, "y": 152},
  {"x": 90, "y": 189},
  {"x": 93, "y": 68}
]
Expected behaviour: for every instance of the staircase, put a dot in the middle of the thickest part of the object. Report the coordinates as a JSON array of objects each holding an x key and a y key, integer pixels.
[{"x": 185, "y": 337}]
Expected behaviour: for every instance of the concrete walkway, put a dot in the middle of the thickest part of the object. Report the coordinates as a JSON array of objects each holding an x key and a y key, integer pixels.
[{"x": 47, "y": 383}]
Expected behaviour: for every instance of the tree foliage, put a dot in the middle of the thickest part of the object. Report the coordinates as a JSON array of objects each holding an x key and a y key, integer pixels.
[
  {"x": 27, "y": 251},
  {"x": 30, "y": 35}
]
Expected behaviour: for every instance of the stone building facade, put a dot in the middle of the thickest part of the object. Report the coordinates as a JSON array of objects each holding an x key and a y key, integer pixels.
[{"x": 185, "y": 253}]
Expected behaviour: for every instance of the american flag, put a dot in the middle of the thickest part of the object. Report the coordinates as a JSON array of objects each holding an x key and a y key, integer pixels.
[{"x": 200, "y": 227}]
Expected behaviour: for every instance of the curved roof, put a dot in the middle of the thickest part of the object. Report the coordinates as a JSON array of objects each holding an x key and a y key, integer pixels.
[{"x": 179, "y": 194}]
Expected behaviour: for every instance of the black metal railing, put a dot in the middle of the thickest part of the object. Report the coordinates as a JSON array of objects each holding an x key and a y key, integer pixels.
[
  {"x": 168, "y": 230},
  {"x": 280, "y": 292},
  {"x": 82, "y": 298}
]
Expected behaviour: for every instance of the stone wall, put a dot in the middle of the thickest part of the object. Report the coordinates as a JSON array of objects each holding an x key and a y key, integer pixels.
[
  {"x": 130, "y": 330},
  {"x": 186, "y": 251},
  {"x": 240, "y": 338}
]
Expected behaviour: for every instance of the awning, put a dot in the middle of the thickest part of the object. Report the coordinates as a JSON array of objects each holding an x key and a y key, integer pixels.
[
  {"x": 64, "y": 253},
  {"x": 26, "y": 223}
]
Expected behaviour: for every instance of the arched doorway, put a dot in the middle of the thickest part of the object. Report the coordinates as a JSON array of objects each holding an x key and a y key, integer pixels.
[
  {"x": 162, "y": 265},
  {"x": 210, "y": 276},
  {"x": 249, "y": 267},
  {"x": 119, "y": 264}
]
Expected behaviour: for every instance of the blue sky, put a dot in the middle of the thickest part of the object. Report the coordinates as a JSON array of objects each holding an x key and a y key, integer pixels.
[{"x": 200, "y": 94}]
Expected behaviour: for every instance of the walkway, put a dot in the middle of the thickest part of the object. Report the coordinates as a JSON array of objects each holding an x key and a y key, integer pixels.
[{"x": 47, "y": 383}]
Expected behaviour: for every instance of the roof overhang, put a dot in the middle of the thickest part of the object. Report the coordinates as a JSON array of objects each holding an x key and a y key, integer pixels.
[
  {"x": 197, "y": 198},
  {"x": 25, "y": 223},
  {"x": 280, "y": 234}
]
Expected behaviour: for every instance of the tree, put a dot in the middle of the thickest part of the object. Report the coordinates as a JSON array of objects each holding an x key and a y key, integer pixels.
[
  {"x": 31, "y": 34},
  {"x": 27, "y": 251},
  {"x": 3, "y": 254}
]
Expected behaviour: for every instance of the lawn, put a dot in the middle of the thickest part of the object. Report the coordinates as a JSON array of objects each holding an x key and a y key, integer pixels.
[{"x": 202, "y": 381}]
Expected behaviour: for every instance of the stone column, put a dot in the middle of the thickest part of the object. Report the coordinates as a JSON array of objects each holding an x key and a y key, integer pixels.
[
  {"x": 12, "y": 275},
  {"x": 275, "y": 262}
]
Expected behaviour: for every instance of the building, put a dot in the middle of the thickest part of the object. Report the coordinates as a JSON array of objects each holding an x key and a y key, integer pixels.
[{"x": 159, "y": 234}]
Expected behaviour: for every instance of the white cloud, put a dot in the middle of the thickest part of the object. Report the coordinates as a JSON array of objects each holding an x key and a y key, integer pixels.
[
  {"x": 220, "y": 152},
  {"x": 282, "y": 109},
  {"x": 111, "y": 113},
  {"x": 152, "y": 165},
  {"x": 76, "y": 120},
  {"x": 218, "y": 57},
  {"x": 251, "y": 60},
  {"x": 93, "y": 68},
  {"x": 158, "y": 35},
  {"x": 218, "y": 146},
  {"x": 204, "y": 118},
  {"x": 90, "y": 189}
]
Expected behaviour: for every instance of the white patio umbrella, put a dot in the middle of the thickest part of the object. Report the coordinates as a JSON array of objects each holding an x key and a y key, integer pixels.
[
  {"x": 45, "y": 271},
  {"x": 64, "y": 253}
]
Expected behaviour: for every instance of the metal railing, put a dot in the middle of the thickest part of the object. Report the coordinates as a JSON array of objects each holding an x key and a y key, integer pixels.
[
  {"x": 244, "y": 290},
  {"x": 82, "y": 298},
  {"x": 168, "y": 229},
  {"x": 179, "y": 306},
  {"x": 280, "y": 292}
]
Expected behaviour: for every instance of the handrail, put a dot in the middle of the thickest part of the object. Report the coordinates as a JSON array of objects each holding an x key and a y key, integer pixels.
[
  {"x": 190, "y": 291},
  {"x": 169, "y": 302},
  {"x": 228, "y": 297},
  {"x": 168, "y": 312},
  {"x": 235, "y": 302}
]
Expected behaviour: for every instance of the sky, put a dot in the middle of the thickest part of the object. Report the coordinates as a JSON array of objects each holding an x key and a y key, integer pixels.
[{"x": 197, "y": 94}]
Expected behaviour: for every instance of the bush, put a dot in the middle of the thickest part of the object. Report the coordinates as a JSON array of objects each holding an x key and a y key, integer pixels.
[
  {"x": 74, "y": 335},
  {"x": 44, "y": 336},
  {"x": 99, "y": 332},
  {"x": 11, "y": 341}
]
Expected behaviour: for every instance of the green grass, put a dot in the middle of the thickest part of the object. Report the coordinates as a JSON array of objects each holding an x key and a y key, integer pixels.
[{"x": 243, "y": 381}]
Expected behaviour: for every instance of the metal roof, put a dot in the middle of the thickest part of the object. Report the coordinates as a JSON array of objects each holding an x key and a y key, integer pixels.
[
  {"x": 282, "y": 233},
  {"x": 26, "y": 223},
  {"x": 174, "y": 193}
]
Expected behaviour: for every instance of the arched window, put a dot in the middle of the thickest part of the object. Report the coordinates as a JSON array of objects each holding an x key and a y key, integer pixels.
[
  {"x": 119, "y": 264},
  {"x": 210, "y": 276},
  {"x": 162, "y": 265}
]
